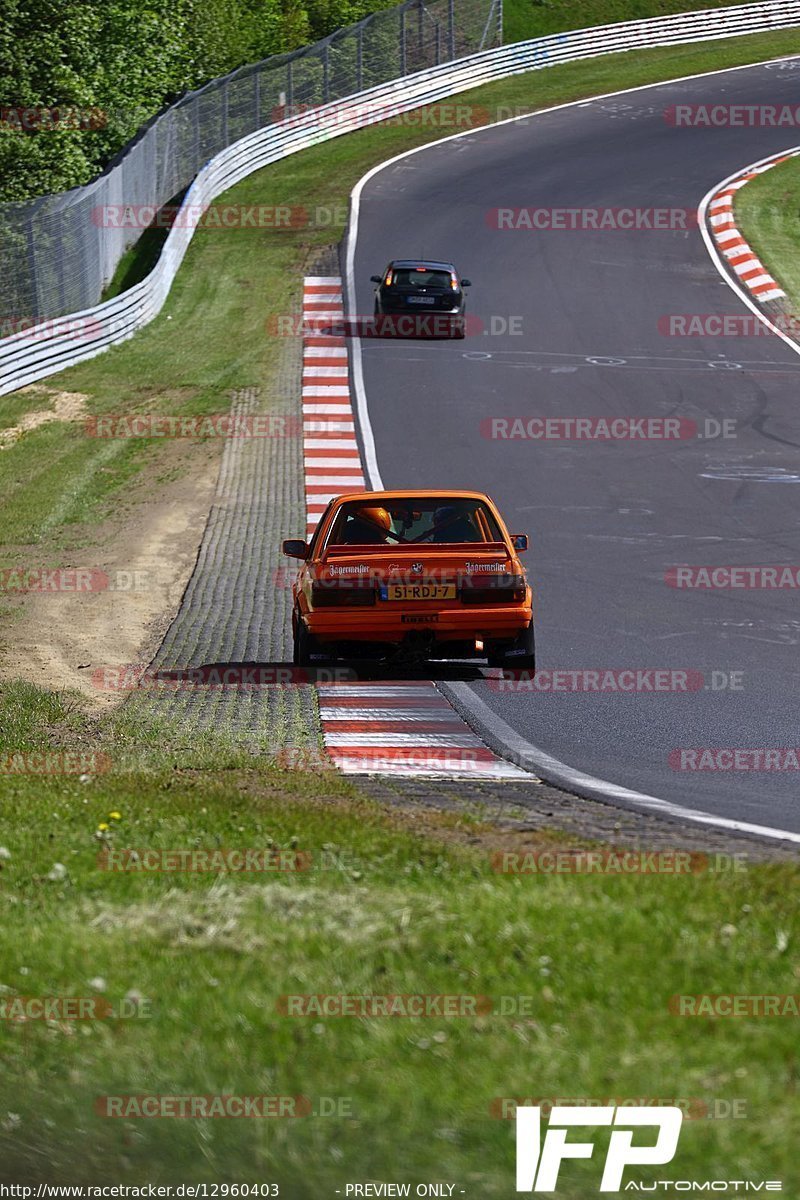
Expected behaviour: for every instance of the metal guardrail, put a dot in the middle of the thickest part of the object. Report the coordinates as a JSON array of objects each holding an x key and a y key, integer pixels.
[{"x": 54, "y": 345}]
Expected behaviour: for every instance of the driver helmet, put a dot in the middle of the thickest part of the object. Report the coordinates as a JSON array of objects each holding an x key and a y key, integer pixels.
[{"x": 376, "y": 516}]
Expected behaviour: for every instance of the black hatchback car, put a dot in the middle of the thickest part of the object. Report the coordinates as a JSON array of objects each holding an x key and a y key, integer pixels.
[{"x": 421, "y": 286}]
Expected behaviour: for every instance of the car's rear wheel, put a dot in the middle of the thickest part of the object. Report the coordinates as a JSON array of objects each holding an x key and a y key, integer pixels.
[{"x": 303, "y": 644}]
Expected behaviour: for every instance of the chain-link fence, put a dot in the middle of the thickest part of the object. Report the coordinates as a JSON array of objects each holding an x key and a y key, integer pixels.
[{"x": 57, "y": 253}]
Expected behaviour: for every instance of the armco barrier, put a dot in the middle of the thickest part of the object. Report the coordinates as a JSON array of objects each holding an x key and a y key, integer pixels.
[{"x": 25, "y": 358}]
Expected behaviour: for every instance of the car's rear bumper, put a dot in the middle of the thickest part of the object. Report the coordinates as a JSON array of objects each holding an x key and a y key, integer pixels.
[
  {"x": 492, "y": 623},
  {"x": 399, "y": 307}
]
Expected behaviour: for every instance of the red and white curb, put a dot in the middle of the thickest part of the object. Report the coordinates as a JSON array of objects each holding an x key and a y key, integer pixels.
[
  {"x": 330, "y": 451},
  {"x": 740, "y": 256},
  {"x": 392, "y": 728},
  {"x": 403, "y": 728}
]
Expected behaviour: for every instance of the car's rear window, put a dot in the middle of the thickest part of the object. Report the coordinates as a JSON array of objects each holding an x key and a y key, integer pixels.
[
  {"x": 422, "y": 521},
  {"x": 410, "y": 278}
]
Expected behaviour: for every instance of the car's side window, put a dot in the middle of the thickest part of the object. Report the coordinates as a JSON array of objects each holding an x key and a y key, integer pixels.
[{"x": 317, "y": 543}]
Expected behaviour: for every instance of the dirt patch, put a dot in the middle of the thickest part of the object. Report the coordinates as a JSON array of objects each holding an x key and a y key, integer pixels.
[
  {"x": 67, "y": 406},
  {"x": 126, "y": 586}
]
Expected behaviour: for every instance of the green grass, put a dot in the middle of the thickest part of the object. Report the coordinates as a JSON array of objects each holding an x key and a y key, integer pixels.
[
  {"x": 534, "y": 18},
  {"x": 205, "y": 960},
  {"x": 768, "y": 213},
  {"x": 62, "y": 478}
]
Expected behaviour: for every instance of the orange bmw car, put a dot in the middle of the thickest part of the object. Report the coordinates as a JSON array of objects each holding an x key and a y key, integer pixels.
[{"x": 411, "y": 576}]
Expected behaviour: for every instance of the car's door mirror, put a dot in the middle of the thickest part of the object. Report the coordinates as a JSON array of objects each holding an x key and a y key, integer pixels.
[
  {"x": 466, "y": 283},
  {"x": 519, "y": 541},
  {"x": 295, "y": 548},
  {"x": 375, "y": 278}
]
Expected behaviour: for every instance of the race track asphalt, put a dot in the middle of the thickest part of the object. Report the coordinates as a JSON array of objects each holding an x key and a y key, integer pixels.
[{"x": 608, "y": 519}]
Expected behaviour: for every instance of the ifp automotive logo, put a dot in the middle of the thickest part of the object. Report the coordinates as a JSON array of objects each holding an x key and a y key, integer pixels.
[{"x": 538, "y": 1165}]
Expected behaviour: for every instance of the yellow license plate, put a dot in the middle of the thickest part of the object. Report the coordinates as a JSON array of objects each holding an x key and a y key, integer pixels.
[{"x": 421, "y": 591}]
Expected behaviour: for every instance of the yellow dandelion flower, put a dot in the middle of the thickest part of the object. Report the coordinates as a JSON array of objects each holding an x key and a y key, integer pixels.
[
  {"x": 102, "y": 825},
  {"x": 115, "y": 816}
]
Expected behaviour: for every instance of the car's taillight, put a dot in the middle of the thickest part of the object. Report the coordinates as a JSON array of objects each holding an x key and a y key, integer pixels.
[
  {"x": 507, "y": 589},
  {"x": 388, "y": 279},
  {"x": 337, "y": 595}
]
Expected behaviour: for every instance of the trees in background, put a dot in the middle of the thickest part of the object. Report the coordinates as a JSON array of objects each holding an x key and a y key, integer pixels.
[{"x": 79, "y": 77}]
